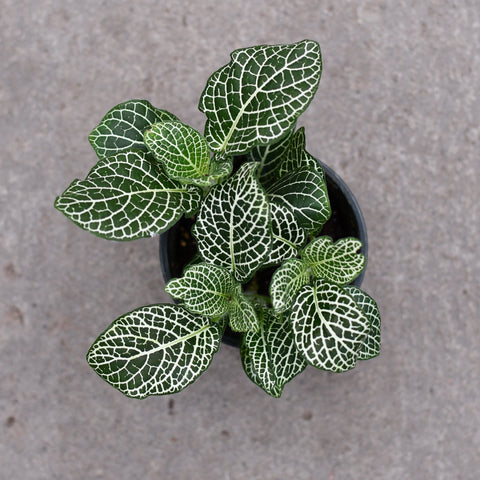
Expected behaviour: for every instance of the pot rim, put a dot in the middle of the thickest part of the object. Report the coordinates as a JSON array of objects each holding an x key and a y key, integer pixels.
[{"x": 357, "y": 212}]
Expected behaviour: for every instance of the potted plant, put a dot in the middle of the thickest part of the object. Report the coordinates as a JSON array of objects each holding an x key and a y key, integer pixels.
[{"x": 257, "y": 199}]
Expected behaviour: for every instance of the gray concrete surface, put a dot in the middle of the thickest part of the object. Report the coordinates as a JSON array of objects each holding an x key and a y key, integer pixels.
[{"x": 397, "y": 115}]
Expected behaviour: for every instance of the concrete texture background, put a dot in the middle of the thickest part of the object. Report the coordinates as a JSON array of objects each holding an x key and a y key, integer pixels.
[{"x": 397, "y": 115}]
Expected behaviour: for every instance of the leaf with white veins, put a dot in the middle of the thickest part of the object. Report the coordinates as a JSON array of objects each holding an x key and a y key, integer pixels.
[
  {"x": 286, "y": 282},
  {"x": 182, "y": 151},
  {"x": 304, "y": 192},
  {"x": 205, "y": 289},
  {"x": 155, "y": 350},
  {"x": 287, "y": 235},
  {"x": 269, "y": 356},
  {"x": 127, "y": 196},
  {"x": 221, "y": 167},
  {"x": 297, "y": 157},
  {"x": 329, "y": 327},
  {"x": 336, "y": 262},
  {"x": 258, "y": 96},
  {"x": 270, "y": 158},
  {"x": 233, "y": 226},
  {"x": 371, "y": 346},
  {"x": 241, "y": 313},
  {"x": 122, "y": 127}
]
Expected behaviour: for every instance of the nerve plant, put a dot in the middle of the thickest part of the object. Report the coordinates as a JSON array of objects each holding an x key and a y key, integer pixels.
[{"x": 258, "y": 199}]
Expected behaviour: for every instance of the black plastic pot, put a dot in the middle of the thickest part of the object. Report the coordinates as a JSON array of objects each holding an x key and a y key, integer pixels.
[{"x": 177, "y": 247}]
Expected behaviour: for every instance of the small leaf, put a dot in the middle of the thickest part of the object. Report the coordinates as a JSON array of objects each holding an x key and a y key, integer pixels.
[
  {"x": 287, "y": 235},
  {"x": 122, "y": 127},
  {"x": 205, "y": 289},
  {"x": 329, "y": 326},
  {"x": 284, "y": 156},
  {"x": 371, "y": 346},
  {"x": 270, "y": 158},
  {"x": 181, "y": 150},
  {"x": 297, "y": 157},
  {"x": 127, "y": 196},
  {"x": 269, "y": 356},
  {"x": 258, "y": 96},
  {"x": 304, "y": 192},
  {"x": 286, "y": 282},
  {"x": 242, "y": 314},
  {"x": 336, "y": 262},
  {"x": 155, "y": 350},
  {"x": 233, "y": 226},
  {"x": 221, "y": 167}
]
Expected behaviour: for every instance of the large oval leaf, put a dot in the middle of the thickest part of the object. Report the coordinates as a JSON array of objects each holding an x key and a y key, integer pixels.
[
  {"x": 258, "y": 96},
  {"x": 127, "y": 196},
  {"x": 155, "y": 350},
  {"x": 329, "y": 326},
  {"x": 269, "y": 356},
  {"x": 233, "y": 227},
  {"x": 122, "y": 127}
]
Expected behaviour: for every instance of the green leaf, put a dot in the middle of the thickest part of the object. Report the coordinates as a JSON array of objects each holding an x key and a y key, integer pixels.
[
  {"x": 221, "y": 167},
  {"x": 284, "y": 156},
  {"x": 371, "y": 346},
  {"x": 286, "y": 282},
  {"x": 182, "y": 151},
  {"x": 329, "y": 327},
  {"x": 122, "y": 127},
  {"x": 270, "y": 158},
  {"x": 205, "y": 289},
  {"x": 297, "y": 157},
  {"x": 233, "y": 226},
  {"x": 155, "y": 350},
  {"x": 287, "y": 235},
  {"x": 127, "y": 196},
  {"x": 258, "y": 96},
  {"x": 242, "y": 314},
  {"x": 269, "y": 356},
  {"x": 304, "y": 192},
  {"x": 336, "y": 262}
]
